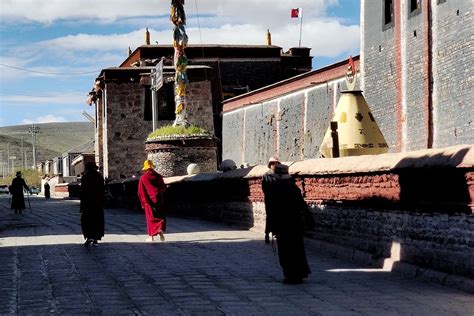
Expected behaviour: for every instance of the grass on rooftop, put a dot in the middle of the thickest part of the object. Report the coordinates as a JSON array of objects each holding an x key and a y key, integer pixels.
[{"x": 177, "y": 130}]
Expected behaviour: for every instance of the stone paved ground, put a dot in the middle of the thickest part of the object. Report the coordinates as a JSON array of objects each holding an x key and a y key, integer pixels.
[{"x": 202, "y": 269}]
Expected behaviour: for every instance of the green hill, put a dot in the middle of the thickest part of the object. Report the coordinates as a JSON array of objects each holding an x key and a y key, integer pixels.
[{"x": 52, "y": 140}]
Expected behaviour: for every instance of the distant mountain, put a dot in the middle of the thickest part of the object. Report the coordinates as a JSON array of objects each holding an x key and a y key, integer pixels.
[{"x": 52, "y": 140}]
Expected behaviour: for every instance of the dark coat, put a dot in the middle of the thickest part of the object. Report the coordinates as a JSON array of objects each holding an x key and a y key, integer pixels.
[
  {"x": 92, "y": 205},
  {"x": 16, "y": 190},
  {"x": 47, "y": 193},
  {"x": 284, "y": 204},
  {"x": 286, "y": 208}
]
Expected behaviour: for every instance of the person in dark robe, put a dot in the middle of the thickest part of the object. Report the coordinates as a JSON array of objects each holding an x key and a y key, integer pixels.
[
  {"x": 151, "y": 189},
  {"x": 47, "y": 193},
  {"x": 16, "y": 190},
  {"x": 92, "y": 205},
  {"x": 285, "y": 209},
  {"x": 272, "y": 162}
]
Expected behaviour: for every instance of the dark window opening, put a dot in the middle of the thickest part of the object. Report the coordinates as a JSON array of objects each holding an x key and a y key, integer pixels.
[
  {"x": 165, "y": 101},
  {"x": 387, "y": 14},
  {"x": 441, "y": 1},
  {"x": 166, "y": 105},
  {"x": 147, "y": 105},
  {"x": 414, "y": 8},
  {"x": 414, "y": 4}
]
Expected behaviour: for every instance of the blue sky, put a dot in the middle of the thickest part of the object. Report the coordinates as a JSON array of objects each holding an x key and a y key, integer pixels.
[{"x": 52, "y": 50}]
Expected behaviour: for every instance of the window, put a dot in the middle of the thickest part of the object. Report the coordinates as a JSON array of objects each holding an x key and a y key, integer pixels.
[
  {"x": 147, "y": 105},
  {"x": 165, "y": 101},
  {"x": 387, "y": 14},
  {"x": 441, "y": 1},
  {"x": 166, "y": 105},
  {"x": 414, "y": 8}
]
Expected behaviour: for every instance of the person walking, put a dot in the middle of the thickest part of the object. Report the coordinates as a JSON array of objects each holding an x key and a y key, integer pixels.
[
  {"x": 267, "y": 179},
  {"x": 47, "y": 193},
  {"x": 285, "y": 208},
  {"x": 92, "y": 205},
  {"x": 151, "y": 189},
  {"x": 16, "y": 190}
]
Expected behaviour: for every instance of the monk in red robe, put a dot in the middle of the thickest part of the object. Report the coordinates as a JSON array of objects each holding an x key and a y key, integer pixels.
[{"x": 151, "y": 189}]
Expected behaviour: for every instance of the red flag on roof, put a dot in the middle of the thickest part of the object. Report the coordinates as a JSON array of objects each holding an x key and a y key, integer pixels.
[{"x": 295, "y": 13}]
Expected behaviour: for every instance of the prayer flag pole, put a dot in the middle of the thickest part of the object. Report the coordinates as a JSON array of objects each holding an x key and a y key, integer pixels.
[{"x": 301, "y": 25}]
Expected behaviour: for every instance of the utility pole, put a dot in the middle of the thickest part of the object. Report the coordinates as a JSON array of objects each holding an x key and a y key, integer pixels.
[
  {"x": 8, "y": 158},
  {"x": 2, "y": 164},
  {"x": 12, "y": 158},
  {"x": 33, "y": 130},
  {"x": 22, "y": 154},
  {"x": 26, "y": 158}
]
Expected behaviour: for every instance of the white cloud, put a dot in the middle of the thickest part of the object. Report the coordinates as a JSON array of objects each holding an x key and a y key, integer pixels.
[
  {"x": 48, "y": 11},
  {"x": 222, "y": 22},
  {"x": 33, "y": 99},
  {"x": 325, "y": 37},
  {"x": 49, "y": 118}
]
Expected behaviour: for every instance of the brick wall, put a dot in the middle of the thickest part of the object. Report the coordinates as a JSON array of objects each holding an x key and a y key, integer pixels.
[
  {"x": 380, "y": 72},
  {"x": 453, "y": 71},
  {"x": 260, "y": 134},
  {"x": 232, "y": 136},
  {"x": 126, "y": 130},
  {"x": 288, "y": 125},
  {"x": 418, "y": 73},
  {"x": 173, "y": 156},
  {"x": 414, "y": 101},
  {"x": 199, "y": 107}
]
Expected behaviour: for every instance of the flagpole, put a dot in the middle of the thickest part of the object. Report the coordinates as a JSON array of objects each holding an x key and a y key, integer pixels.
[{"x": 301, "y": 25}]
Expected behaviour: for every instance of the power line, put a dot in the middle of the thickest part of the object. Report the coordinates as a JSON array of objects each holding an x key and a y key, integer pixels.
[
  {"x": 51, "y": 73},
  {"x": 199, "y": 23},
  {"x": 200, "y": 34}
]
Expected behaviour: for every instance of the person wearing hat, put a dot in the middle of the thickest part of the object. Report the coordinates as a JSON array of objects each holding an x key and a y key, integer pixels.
[
  {"x": 151, "y": 190},
  {"x": 16, "y": 190},
  {"x": 268, "y": 177},
  {"x": 92, "y": 205},
  {"x": 285, "y": 208},
  {"x": 47, "y": 190}
]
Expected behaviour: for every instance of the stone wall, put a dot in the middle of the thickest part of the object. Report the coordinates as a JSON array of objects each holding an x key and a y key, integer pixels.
[
  {"x": 413, "y": 72},
  {"x": 453, "y": 56},
  {"x": 172, "y": 155},
  {"x": 422, "y": 201},
  {"x": 199, "y": 106},
  {"x": 290, "y": 126},
  {"x": 417, "y": 73},
  {"x": 380, "y": 72},
  {"x": 126, "y": 130}
]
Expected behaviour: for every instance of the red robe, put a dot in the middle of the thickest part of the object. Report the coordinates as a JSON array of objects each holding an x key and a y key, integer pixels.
[{"x": 151, "y": 190}]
